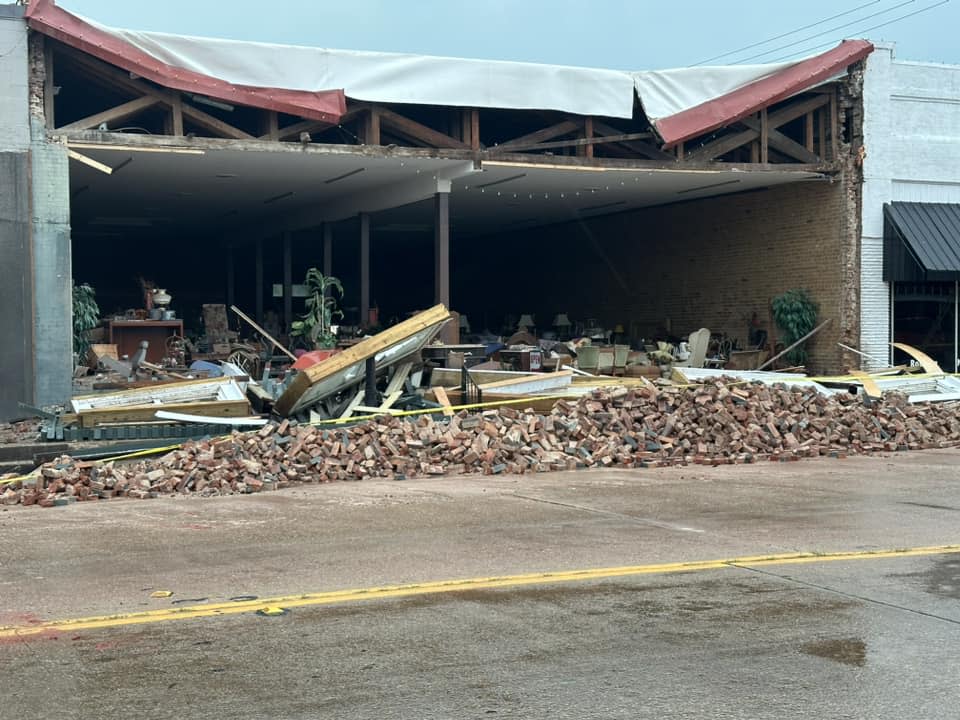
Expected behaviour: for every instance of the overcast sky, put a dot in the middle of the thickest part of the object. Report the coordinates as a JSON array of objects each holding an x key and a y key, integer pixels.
[{"x": 624, "y": 34}]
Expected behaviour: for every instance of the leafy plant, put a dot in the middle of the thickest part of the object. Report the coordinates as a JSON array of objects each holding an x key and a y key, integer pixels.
[
  {"x": 314, "y": 325},
  {"x": 86, "y": 316},
  {"x": 795, "y": 313}
]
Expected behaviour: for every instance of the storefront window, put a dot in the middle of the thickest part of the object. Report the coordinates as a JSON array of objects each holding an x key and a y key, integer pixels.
[{"x": 924, "y": 316}]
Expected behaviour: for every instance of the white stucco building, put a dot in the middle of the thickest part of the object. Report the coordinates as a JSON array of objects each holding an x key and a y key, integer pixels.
[{"x": 912, "y": 143}]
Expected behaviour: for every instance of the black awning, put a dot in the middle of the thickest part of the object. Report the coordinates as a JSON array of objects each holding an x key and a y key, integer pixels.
[{"x": 921, "y": 241}]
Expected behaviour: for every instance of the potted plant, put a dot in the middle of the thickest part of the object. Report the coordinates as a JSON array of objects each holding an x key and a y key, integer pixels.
[
  {"x": 86, "y": 316},
  {"x": 315, "y": 326},
  {"x": 795, "y": 313}
]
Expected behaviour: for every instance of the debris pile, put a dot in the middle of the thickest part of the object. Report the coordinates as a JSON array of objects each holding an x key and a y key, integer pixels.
[{"x": 717, "y": 423}]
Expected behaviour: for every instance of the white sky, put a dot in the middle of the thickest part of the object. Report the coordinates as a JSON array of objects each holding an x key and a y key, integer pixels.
[{"x": 623, "y": 34}]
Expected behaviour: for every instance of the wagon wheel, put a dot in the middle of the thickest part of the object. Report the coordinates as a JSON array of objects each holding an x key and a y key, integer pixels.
[{"x": 246, "y": 360}]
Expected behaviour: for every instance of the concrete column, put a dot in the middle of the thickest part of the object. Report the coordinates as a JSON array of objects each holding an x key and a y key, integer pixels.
[
  {"x": 441, "y": 251},
  {"x": 287, "y": 280},
  {"x": 364, "y": 269},
  {"x": 258, "y": 275}
]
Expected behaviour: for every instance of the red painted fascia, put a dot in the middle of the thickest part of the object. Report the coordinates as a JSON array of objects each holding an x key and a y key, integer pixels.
[
  {"x": 762, "y": 93},
  {"x": 45, "y": 17}
]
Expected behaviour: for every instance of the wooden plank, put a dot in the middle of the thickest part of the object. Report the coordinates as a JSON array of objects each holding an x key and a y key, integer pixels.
[
  {"x": 89, "y": 161},
  {"x": 357, "y": 399},
  {"x": 450, "y": 377},
  {"x": 586, "y": 150},
  {"x": 929, "y": 365},
  {"x": 433, "y": 138},
  {"x": 723, "y": 145},
  {"x": 371, "y": 126},
  {"x": 399, "y": 377},
  {"x": 534, "y": 402},
  {"x": 429, "y": 320},
  {"x": 145, "y": 413},
  {"x": 646, "y": 149},
  {"x": 271, "y": 125},
  {"x": 214, "y": 125},
  {"x": 802, "y": 340},
  {"x": 542, "y": 383},
  {"x": 781, "y": 142},
  {"x": 106, "y": 74},
  {"x": 203, "y": 389},
  {"x": 441, "y": 395},
  {"x": 119, "y": 113},
  {"x": 808, "y": 131},
  {"x": 263, "y": 332},
  {"x": 578, "y": 143},
  {"x": 561, "y": 128},
  {"x": 475, "y": 129},
  {"x": 176, "y": 114}
]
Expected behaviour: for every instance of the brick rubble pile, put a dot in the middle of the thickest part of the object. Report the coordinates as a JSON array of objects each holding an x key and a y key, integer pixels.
[{"x": 713, "y": 424}]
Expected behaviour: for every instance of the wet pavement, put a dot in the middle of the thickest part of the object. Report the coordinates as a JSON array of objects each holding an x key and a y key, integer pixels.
[{"x": 864, "y": 638}]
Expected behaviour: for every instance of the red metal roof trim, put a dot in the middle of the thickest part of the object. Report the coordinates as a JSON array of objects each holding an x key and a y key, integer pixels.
[
  {"x": 762, "y": 93},
  {"x": 45, "y": 17}
]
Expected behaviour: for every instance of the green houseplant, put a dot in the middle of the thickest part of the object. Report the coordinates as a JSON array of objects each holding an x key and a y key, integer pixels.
[
  {"x": 321, "y": 305},
  {"x": 795, "y": 313},
  {"x": 86, "y": 316}
]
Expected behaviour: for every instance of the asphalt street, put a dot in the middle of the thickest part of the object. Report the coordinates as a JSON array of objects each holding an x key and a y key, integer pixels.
[{"x": 826, "y": 588}]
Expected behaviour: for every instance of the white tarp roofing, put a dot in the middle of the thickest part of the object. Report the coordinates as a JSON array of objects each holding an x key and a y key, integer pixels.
[
  {"x": 456, "y": 82},
  {"x": 667, "y": 92}
]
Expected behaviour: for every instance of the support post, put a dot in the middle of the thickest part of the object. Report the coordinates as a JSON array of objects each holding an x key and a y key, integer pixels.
[
  {"x": 258, "y": 279},
  {"x": 231, "y": 277},
  {"x": 370, "y": 383},
  {"x": 956, "y": 325},
  {"x": 371, "y": 127},
  {"x": 441, "y": 252},
  {"x": 586, "y": 150},
  {"x": 176, "y": 114},
  {"x": 364, "y": 269},
  {"x": 327, "y": 249},
  {"x": 287, "y": 280},
  {"x": 764, "y": 137},
  {"x": 808, "y": 131}
]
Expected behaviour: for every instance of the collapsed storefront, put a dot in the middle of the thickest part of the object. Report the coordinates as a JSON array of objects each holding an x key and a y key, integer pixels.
[{"x": 634, "y": 204}]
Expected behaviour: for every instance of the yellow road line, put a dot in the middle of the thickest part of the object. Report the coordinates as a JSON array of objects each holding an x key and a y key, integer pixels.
[{"x": 445, "y": 586}]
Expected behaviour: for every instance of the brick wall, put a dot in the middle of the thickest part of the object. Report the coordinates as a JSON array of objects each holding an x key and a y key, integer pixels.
[{"x": 710, "y": 263}]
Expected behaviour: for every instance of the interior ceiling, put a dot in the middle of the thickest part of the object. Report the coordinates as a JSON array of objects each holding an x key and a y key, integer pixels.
[{"x": 159, "y": 192}]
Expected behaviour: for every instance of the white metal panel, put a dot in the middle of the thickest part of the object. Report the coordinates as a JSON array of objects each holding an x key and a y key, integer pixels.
[
  {"x": 874, "y": 304},
  {"x": 14, "y": 93},
  {"x": 912, "y": 140}
]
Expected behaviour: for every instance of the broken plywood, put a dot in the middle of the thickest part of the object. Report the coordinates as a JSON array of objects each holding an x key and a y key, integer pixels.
[{"x": 345, "y": 370}]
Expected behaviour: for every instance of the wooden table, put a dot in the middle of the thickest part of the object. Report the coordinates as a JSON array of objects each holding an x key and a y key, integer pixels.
[{"x": 128, "y": 334}]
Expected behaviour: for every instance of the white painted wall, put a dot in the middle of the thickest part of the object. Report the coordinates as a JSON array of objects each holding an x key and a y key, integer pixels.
[
  {"x": 14, "y": 75},
  {"x": 912, "y": 138}
]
